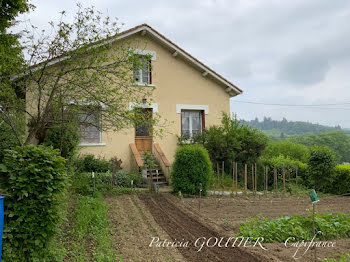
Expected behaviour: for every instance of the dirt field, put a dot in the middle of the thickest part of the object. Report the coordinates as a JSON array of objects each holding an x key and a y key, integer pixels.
[
  {"x": 138, "y": 218},
  {"x": 227, "y": 213}
]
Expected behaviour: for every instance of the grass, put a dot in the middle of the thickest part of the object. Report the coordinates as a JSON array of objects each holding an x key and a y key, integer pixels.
[
  {"x": 88, "y": 235},
  {"x": 332, "y": 226},
  {"x": 345, "y": 257}
]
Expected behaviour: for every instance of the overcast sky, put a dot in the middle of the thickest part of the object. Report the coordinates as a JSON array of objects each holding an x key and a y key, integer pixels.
[{"x": 278, "y": 52}]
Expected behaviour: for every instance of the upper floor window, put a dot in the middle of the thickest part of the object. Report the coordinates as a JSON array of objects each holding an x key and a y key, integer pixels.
[
  {"x": 192, "y": 122},
  {"x": 142, "y": 70}
]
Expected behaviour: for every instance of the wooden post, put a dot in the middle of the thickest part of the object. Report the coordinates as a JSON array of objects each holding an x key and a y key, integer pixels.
[
  {"x": 236, "y": 175},
  {"x": 284, "y": 178},
  {"x": 245, "y": 177},
  {"x": 256, "y": 179},
  {"x": 200, "y": 196},
  {"x": 313, "y": 228},
  {"x": 252, "y": 177},
  {"x": 223, "y": 172},
  {"x": 217, "y": 172},
  {"x": 275, "y": 178},
  {"x": 267, "y": 180},
  {"x": 289, "y": 170},
  {"x": 296, "y": 175},
  {"x": 233, "y": 176}
]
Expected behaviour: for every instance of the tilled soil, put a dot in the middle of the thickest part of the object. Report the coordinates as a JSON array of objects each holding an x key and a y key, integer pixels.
[
  {"x": 229, "y": 212},
  {"x": 226, "y": 213},
  {"x": 181, "y": 226},
  {"x": 134, "y": 227}
]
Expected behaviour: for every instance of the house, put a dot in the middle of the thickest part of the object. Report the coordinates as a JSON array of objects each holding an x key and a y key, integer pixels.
[{"x": 187, "y": 93}]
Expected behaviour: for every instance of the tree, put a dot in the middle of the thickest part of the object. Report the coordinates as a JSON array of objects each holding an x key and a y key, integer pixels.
[
  {"x": 321, "y": 167},
  {"x": 79, "y": 70},
  {"x": 11, "y": 62},
  {"x": 338, "y": 141},
  {"x": 10, "y": 9},
  {"x": 232, "y": 141},
  {"x": 288, "y": 149}
]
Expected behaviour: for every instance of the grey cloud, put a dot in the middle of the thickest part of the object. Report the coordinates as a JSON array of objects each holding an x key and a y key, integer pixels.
[
  {"x": 305, "y": 68},
  {"x": 255, "y": 44}
]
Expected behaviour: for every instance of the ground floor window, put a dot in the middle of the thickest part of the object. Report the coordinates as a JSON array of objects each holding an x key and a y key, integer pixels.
[
  {"x": 192, "y": 122},
  {"x": 90, "y": 125}
]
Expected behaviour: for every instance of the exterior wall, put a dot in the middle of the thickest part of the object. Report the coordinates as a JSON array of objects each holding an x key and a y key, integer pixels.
[{"x": 176, "y": 83}]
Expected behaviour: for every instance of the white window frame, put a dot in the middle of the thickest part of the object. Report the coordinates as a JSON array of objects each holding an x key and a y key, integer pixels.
[
  {"x": 154, "y": 106},
  {"x": 153, "y": 57},
  {"x": 85, "y": 144},
  {"x": 190, "y": 121},
  {"x": 180, "y": 107}
]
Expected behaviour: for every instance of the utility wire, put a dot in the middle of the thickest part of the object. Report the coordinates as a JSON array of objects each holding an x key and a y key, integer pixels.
[
  {"x": 267, "y": 104},
  {"x": 314, "y": 106}
]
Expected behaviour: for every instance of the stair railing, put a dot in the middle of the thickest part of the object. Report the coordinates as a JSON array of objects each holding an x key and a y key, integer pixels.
[
  {"x": 137, "y": 155},
  {"x": 162, "y": 160}
]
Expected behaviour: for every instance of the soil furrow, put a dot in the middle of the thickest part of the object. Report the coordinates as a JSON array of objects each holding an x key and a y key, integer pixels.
[{"x": 181, "y": 226}]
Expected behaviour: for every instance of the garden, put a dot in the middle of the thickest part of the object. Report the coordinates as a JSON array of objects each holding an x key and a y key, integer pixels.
[{"x": 230, "y": 180}]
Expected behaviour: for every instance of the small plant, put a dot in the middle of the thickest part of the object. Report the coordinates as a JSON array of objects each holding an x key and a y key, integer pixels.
[
  {"x": 90, "y": 163},
  {"x": 332, "y": 226},
  {"x": 148, "y": 161},
  {"x": 345, "y": 257}
]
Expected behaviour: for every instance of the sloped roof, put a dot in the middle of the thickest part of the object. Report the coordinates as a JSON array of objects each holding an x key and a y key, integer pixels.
[{"x": 232, "y": 89}]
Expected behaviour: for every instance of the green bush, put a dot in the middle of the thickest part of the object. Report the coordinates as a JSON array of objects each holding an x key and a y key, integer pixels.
[
  {"x": 321, "y": 168},
  {"x": 231, "y": 141},
  {"x": 341, "y": 185},
  {"x": 86, "y": 184},
  {"x": 7, "y": 139},
  {"x": 34, "y": 177},
  {"x": 191, "y": 168},
  {"x": 65, "y": 139},
  {"x": 90, "y": 163},
  {"x": 279, "y": 229},
  {"x": 287, "y": 149}
]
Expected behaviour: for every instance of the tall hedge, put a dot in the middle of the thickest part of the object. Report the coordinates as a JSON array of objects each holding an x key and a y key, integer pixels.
[
  {"x": 34, "y": 177},
  {"x": 191, "y": 168},
  {"x": 342, "y": 180},
  {"x": 321, "y": 167}
]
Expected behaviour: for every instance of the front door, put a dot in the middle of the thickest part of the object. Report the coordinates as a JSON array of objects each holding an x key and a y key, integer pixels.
[{"x": 143, "y": 132}]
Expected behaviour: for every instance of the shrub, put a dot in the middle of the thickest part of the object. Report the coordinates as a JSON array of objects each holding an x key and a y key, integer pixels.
[
  {"x": 279, "y": 229},
  {"x": 231, "y": 141},
  {"x": 290, "y": 166},
  {"x": 287, "y": 149},
  {"x": 34, "y": 177},
  {"x": 191, "y": 168},
  {"x": 86, "y": 184},
  {"x": 7, "y": 139},
  {"x": 90, "y": 163},
  {"x": 341, "y": 184},
  {"x": 321, "y": 168},
  {"x": 65, "y": 139}
]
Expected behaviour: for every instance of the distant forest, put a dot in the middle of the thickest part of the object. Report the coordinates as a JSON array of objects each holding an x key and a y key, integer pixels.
[{"x": 289, "y": 128}]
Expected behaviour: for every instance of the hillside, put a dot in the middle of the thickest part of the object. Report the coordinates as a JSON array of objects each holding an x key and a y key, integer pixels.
[{"x": 285, "y": 128}]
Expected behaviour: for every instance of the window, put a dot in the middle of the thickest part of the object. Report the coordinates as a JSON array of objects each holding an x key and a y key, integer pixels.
[
  {"x": 142, "y": 71},
  {"x": 90, "y": 126},
  {"x": 192, "y": 122}
]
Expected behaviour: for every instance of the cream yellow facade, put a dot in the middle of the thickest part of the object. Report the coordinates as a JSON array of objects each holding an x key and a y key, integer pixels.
[{"x": 179, "y": 83}]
